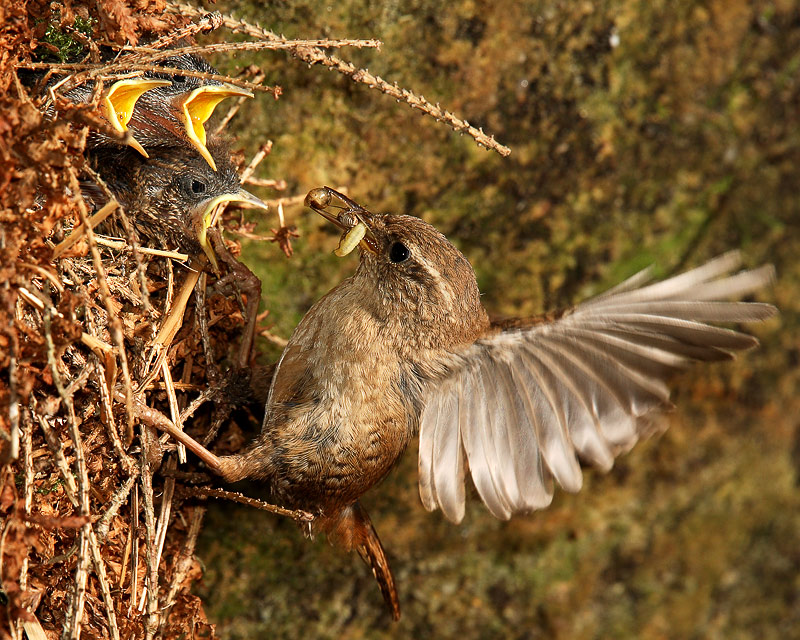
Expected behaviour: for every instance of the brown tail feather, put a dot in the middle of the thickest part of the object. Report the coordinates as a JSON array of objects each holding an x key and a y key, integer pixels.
[{"x": 353, "y": 530}]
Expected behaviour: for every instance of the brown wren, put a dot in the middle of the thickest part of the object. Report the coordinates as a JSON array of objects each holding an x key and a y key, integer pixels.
[{"x": 404, "y": 346}]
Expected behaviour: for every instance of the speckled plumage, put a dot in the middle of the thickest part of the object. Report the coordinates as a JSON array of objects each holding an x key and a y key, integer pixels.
[{"x": 166, "y": 194}]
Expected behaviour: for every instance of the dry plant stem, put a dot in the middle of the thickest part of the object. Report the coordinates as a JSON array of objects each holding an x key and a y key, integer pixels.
[
  {"x": 13, "y": 402},
  {"x": 209, "y": 22},
  {"x": 80, "y": 230},
  {"x": 85, "y": 71},
  {"x": 263, "y": 151},
  {"x": 105, "y": 397},
  {"x": 299, "y": 516},
  {"x": 183, "y": 565},
  {"x": 27, "y": 462},
  {"x": 314, "y": 55},
  {"x": 154, "y": 418},
  {"x": 117, "y": 500},
  {"x": 113, "y": 319},
  {"x": 278, "y": 185},
  {"x": 247, "y": 282},
  {"x": 121, "y": 245},
  {"x": 100, "y": 572},
  {"x": 132, "y": 241},
  {"x": 54, "y": 444},
  {"x": 174, "y": 411},
  {"x": 87, "y": 537},
  {"x": 74, "y": 617},
  {"x": 143, "y": 56},
  {"x": 134, "y": 549},
  {"x": 202, "y": 322},
  {"x": 150, "y": 591}
]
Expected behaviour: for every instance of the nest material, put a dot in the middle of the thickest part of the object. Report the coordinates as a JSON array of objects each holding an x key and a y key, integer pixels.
[
  {"x": 92, "y": 541},
  {"x": 100, "y": 339}
]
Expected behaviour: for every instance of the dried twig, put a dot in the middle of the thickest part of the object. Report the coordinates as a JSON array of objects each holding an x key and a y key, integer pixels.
[
  {"x": 258, "y": 77},
  {"x": 150, "y": 591},
  {"x": 115, "y": 325},
  {"x": 315, "y": 55},
  {"x": 117, "y": 500},
  {"x": 207, "y": 23},
  {"x": 263, "y": 151},
  {"x": 183, "y": 564},
  {"x": 299, "y": 516}
]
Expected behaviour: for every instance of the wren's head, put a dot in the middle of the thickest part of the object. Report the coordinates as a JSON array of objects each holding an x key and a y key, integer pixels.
[
  {"x": 172, "y": 195},
  {"x": 414, "y": 278}
]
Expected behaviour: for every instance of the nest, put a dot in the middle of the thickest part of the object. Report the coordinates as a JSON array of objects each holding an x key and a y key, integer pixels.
[{"x": 100, "y": 339}]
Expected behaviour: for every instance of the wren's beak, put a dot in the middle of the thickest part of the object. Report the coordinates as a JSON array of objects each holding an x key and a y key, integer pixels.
[
  {"x": 198, "y": 106},
  {"x": 209, "y": 212},
  {"x": 119, "y": 101},
  {"x": 353, "y": 219}
]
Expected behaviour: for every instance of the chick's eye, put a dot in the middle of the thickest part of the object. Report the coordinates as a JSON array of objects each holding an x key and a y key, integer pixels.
[
  {"x": 179, "y": 79},
  {"x": 398, "y": 252},
  {"x": 198, "y": 187}
]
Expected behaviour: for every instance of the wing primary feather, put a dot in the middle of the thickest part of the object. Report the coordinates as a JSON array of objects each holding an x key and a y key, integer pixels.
[
  {"x": 477, "y": 448},
  {"x": 585, "y": 430},
  {"x": 428, "y": 424},
  {"x": 448, "y": 478},
  {"x": 553, "y": 431},
  {"x": 688, "y": 331},
  {"x": 677, "y": 285},
  {"x": 702, "y": 311},
  {"x": 511, "y": 434},
  {"x": 662, "y": 342}
]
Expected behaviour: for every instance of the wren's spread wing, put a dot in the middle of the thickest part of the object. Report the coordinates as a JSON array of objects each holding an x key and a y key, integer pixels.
[{"x": 519, "y": 407}]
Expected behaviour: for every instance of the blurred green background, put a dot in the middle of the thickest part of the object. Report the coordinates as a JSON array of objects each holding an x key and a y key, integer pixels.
[{"x": 658, "y": 132}]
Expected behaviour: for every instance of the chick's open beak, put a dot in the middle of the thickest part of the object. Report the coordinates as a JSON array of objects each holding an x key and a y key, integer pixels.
[
  {"x": 208, "y": 214},
  {"x": 119, "y": 102},
  {"x": 197, "y": 108}
]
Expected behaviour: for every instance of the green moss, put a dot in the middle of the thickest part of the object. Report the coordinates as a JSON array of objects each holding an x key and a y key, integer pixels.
[
  {"x": 678, "y": 144},
  {"x": 69, "y": 48}
]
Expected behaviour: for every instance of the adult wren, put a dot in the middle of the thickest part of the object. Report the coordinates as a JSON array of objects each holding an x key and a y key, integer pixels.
[{"x": 404, "y": 346}]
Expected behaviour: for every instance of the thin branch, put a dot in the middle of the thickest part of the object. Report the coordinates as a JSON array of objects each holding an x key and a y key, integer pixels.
[
  {"x": 315, "y": 55},
  {"x": 114, "y": 322},
  {"x": 263, "y": 151},
  {"x": 183, "y": 565},
  {"x": 117, "y": 500},
  {"x": 299, "y": 516}
]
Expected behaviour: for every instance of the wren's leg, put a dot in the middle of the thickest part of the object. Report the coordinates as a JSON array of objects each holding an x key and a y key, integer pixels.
[{"x": 248, "y": 283}]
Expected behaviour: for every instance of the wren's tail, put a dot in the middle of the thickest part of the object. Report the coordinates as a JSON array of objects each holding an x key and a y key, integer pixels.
[{"x": 352, "y": 529}]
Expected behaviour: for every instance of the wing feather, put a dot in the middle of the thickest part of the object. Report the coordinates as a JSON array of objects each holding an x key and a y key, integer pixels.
[{"x": 520, "y": 406}]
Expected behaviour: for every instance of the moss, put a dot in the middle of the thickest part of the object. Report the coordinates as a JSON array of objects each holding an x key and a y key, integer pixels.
[
  {"x": 69, "y": 49},
  {"x": 661, "y": 132}
]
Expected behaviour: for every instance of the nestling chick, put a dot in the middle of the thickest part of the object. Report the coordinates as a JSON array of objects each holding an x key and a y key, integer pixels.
[
  {"x": 404, "y": 346},
  {"x": 171, "y": 196},
  {"x": 178, "y": 109}
]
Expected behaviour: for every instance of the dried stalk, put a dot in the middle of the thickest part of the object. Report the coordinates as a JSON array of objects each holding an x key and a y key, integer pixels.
[
  {"x": 263, "y": 151},
  {"x": 315, "y": 55},
  {"x": 298, "y": 515},
  {"x": 117, "y": 500},
  {"x": 150, "y": 591},
  {"x": 113, "y": 320},
  {"x": 182, "y": 566}
]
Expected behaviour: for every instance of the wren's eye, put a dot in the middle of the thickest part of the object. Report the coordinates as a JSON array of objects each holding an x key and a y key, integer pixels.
[
  {"x": 198, "y": 187},
  {"x": 179, "y": 79},
  {"x": 398, "y": 252}
]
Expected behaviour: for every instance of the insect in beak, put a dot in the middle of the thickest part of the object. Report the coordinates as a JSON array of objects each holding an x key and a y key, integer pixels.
[{"x": 353, "y": 220}]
